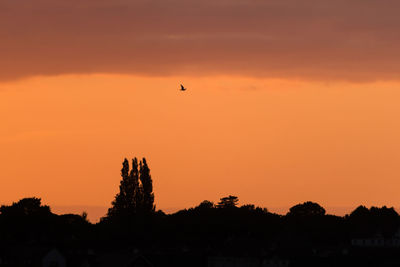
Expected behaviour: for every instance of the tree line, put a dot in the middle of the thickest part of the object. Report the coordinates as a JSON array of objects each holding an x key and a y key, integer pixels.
[{"x": 133, "y": 217}]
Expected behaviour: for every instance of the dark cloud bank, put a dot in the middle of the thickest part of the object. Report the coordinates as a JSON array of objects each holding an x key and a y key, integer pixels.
[{"x": 311, "y": 39}]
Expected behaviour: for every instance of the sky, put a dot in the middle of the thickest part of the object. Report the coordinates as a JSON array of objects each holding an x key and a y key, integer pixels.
[{"x": 287, "y": 101}]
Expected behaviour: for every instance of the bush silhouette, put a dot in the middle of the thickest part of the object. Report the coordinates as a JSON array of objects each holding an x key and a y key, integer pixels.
[{"x": 307, "y": 209}]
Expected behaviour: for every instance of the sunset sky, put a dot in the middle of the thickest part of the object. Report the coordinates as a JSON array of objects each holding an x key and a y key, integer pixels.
[{"x": 287, "y": 101}]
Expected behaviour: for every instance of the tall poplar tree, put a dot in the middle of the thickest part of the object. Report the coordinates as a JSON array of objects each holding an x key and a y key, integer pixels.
[
  {"x": 137, "y": 190},
  {"x": 124, "y": 200},
  {"x": 135, "y": 195},
  {"x": 147, "y": 188}
]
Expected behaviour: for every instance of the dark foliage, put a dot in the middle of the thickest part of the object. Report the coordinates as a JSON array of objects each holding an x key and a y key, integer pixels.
[
  {"x": 29, "y": 221},
  {"x": 306, "y": 235},
  {"x": 135, "y": 198},
  {"x": 307, "y": 209},
  {"x": 228, "y": 202},
  {"x": 147, "y": 203},
  {"x": 26, "y": 207}
]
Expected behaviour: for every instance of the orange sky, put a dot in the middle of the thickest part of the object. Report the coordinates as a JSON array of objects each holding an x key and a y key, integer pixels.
[
  {"x": 288, "y": 101},
  {"x": 272, "y": 142}
]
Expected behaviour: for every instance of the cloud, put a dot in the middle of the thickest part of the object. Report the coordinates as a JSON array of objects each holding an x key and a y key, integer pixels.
[{"x": 309, "y": 39}]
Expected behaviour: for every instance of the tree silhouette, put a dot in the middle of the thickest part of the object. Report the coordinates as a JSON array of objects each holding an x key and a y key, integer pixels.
[
  {"x": 306, "y": 209},
  {"x": 25, "y": 207},
  {"x": 205, "y": 205},
  {"x": 136, "y": 189},
  {"x": 124, "y": 203},
  {"x": 135, "y": 195},
  {"x": 366, "y": 221},
  {"x": 360, "y": 212},
  {"x": 228, "y": 202},
  {"x": 147, "y": 205}
]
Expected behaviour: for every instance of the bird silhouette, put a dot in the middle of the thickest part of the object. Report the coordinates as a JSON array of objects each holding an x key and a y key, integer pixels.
[{"x": 183, "y": 88}]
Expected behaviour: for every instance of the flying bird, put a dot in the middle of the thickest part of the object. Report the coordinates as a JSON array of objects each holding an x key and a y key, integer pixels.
[{"x": 183, "y": 88}]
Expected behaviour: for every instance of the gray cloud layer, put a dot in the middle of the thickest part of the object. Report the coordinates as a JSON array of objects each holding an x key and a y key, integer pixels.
[{"x": 311, "y": 39}]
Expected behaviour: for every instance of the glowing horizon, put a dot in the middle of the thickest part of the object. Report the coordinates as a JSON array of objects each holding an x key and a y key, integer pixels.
[{"x": 274, "y": 143}]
